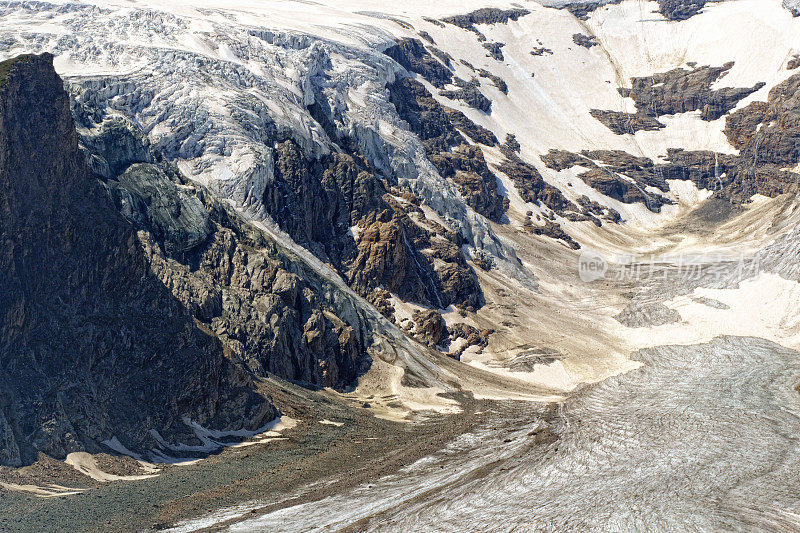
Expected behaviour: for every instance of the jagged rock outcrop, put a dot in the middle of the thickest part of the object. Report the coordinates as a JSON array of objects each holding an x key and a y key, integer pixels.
[
  {"x": 466, "y": 336},
  {"x": 767, "y": 135},
  {"x": 429, "y": 327},
  {"x": 676, "y": 91},
  {"x": 582, "y": 9},
  {"x": 680, "y": 9},
  {"x": 337, "y": 208},
  {"x": 499, "y": 82},
  {"x": 92, "y": 344},
  {"x": 681, "y": 90},
  {"x": 489, "y": 15},
  {"x": 623, "y": 123},
  {"x": 273, "y": 315},
  {"x": 554, "y": 231},
  {"x": 586, "y": 41},
  {"x": 530, "y": 185},
  {"x": 674, "y": 10},
  {"x": 412, "y": 56},
  {"x": 706, "y": 169},
  {"x": 495, "y": 50}
]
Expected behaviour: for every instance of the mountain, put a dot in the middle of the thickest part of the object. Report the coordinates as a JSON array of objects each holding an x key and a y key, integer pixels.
[
  {"x": 406, "y": 208},
  {"x": 136, "y": 305}
]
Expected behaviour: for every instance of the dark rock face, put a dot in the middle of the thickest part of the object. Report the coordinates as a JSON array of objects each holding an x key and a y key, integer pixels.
[
  {"x": 489, "y": 15},
  {"x": 497, "y": 80},
  {"x": 681, "y": 90},
  {"x": 427, "y": 36},
  {"x": 767, "y": 135},
  {"x": 532, "y": 188},
  {"x": 674, "y": 10},
  {"x": 495, "y": 50},
  {"x": 586, "y": 41},
  {"x": 641, "y": 169},
  {"x": 677, "y": 91},
  {"x": 582, "y": 9},
  {"x": 465, "y": 166},
  {"x": 443, "y": 56},
  {"x": 273, "y": 313},
  {"x": 680, "y": 9},
  {"x": 554, "y": 231},
  {"x": 470, "y": 335},
  {"x": 269, "y": 311},
  {"x": 430, "y": 328},
  {"x": 318, "y": 201},
  {"x": 92, "y": 344},
  {"x": 531, "y": 185},
  {"x": 706, "y": 169},
  {"x": 412, "y": 56}
]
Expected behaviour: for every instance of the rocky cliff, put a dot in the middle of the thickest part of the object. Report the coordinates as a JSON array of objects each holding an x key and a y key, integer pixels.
[{"x": 92, "y": 343}]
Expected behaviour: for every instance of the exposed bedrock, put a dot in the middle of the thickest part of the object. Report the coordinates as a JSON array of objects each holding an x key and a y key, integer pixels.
[
  {"x": 495, "y": 50},
  {"x": 412, "y": 56},
  {"x": 681, "y": 90},
  {"x": 676, "y": 91},
  {"x": 680, "y": 9},
  {"x": 92, "y": 344},
  {"x": 582, "y": 9},
  {"x": 530, "y": 185},
  {"x": 469, "y": 93},
  {"x": 489, "y": 15},
  {"x": 341, "y": 211},
  {"x": 623, "y": 123},
  {"x": 499, "y": 82},
  {"x": 586, "y": 41},
  {"x": 323, "y": 95},
  {"x": 673, "y": 10},
  {"x": 767, "y": 135},
  {"x": 616, "y": 174}
]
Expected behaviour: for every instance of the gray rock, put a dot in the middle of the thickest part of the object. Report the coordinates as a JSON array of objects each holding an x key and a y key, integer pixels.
[{"x": 92, "y": 343}]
